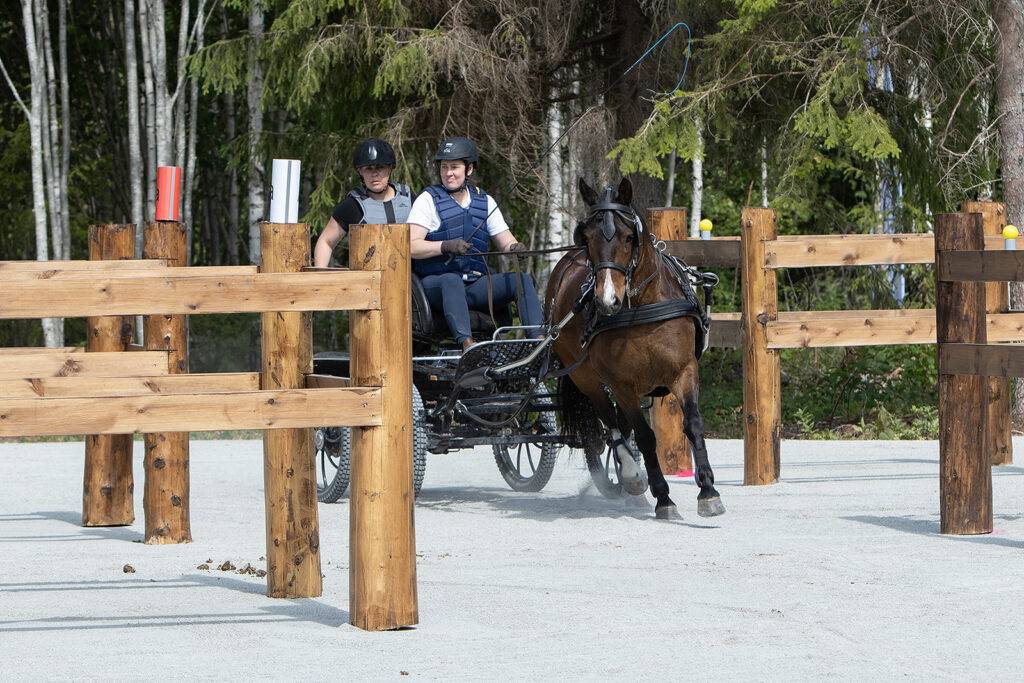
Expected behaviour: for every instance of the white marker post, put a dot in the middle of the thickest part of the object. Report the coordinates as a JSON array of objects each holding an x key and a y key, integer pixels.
[{"x": 284, "y": 191}]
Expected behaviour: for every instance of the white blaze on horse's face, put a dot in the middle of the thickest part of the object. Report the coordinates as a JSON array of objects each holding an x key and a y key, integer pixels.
[{"x": 610, "y": 285}]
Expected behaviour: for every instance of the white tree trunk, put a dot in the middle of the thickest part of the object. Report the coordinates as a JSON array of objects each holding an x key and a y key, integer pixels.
[
  {"x": 52, "y": 332},
  {"x": 764, "y": 172},
  {"x": 697, "y": 194},
  {"x": 556, "y": 208},
  {"x": 51, "y": 129},
  {"x": 65, "y": 123},
  {"x": 177, "y": 108},
  {"x": 255, "y": 97},
  {"x": 134, "y": 151},
  {"x": 164, "y": 117},
  {"x": 147, "y": 73},
  {"x": 1009, "y": 20},
  {"x": 193, "y": 115}
]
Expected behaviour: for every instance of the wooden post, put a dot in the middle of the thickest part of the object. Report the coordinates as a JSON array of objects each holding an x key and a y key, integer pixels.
[
  {"x": 293, "y": 531},
  {"x": 667, "y": 415},
  {"x": 108, "y": 486},
  {"x": 997, "y": 297},
  {"x": 382, "y": 542},
  {"x": 762, "y": 404},
  {"x": 965, "y": 476},
  {"x": 165, "y": 497}
]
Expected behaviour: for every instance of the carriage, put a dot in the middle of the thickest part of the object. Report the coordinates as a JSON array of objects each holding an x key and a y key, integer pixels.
[{"x": 491, "y": 395}]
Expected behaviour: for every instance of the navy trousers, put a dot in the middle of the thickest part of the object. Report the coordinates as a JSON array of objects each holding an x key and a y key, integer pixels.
[{"x": 449, "y": 293}]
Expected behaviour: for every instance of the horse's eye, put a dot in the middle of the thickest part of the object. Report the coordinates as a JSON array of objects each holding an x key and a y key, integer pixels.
[{"x": 629, "y": 239}]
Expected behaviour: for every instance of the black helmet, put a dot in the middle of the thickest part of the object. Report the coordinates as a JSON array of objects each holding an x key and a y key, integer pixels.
[
  {"x": 373, "y": 152},
  {"x": 452, "y": 149}
]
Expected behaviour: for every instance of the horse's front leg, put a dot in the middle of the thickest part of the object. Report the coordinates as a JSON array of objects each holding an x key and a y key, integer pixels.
[
  {"x": 709, "y": 503},
  {"x": 645, "y": 440}
]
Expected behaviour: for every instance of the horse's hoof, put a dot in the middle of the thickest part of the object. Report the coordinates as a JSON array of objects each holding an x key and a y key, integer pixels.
[
  {"x": 668, "y": 512},
  {"x": 710, "y": 507},
  {"x": 635, "y": 487}
]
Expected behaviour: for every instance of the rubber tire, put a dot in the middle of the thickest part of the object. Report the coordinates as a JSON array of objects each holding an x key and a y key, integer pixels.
[
  {"x": 337, "y": 488},
  {"x": 595, "y": 464},
  {"x": 546, "y": 465}
]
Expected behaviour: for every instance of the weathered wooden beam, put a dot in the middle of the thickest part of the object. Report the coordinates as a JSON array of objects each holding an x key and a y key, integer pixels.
[
  {"x": 179, "y": 294},
  {"x": 864, "y": 330},
  {"x": 49, "y": 363},
  {"x": 804, "y": 251},
  {"x": 762, "y": 376},
  {"x": 726, "y": 331},
  {"x": 156, "y": 268},
  {"x": 289, "y": 474},
  {"x": 165, "y": 498},
  {"x": 97, "y": 387},
  {"x": 108, "y": 481},
  {"x": 718, "y": 252},
  {"x": 965, "y": 474},
  {"x": 314, "y": 381},
  {"x": 285, "y": 409},
  {"x": 666, "y": 414},
  {"x": 976, "y": 265},
  {"x": 990, "y": 360},
  {"x": 29, "y": 350},
  {"x": 21, "y": 269},
  {"x": 382, "y": 539},
  {"x": 997, "y": 300}
]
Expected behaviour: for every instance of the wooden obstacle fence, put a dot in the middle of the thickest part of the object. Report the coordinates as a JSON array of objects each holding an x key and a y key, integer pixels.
[
  {"x": 970, "y": 357},
  {"x": 110, "y": 392},
  {"x": 761, "y": 330}
]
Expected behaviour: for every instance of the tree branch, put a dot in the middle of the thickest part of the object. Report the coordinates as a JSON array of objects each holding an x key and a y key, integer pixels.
[{"x": 14, "y": 90}]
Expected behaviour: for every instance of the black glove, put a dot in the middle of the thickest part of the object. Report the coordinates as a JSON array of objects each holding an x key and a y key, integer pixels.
[
  {"x": 518, "y": 246},
  {"x": 455, "y": 247}
]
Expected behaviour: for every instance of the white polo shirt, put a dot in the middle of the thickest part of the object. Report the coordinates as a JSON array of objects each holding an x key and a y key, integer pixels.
[{"x": 425, "y": 213}]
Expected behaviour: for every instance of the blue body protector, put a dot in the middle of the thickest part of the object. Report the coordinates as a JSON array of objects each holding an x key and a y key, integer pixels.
[{"x": 458, "y": 223}]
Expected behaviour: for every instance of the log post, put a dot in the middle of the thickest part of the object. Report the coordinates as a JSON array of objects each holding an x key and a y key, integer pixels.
[
  {"x": 762, "y": 404},
  {"x": 382, "y": 543},
  {"x": 165, "y": 496},
  {"x": 997, "y": 298},
  {"x": 108, "y": 486},
  {"x": 293, "y": 532},
  {"x": 674, "y": 455},
  {"x": 965, "y": 475}
]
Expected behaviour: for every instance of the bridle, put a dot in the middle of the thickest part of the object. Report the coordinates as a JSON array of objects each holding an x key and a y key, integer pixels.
[{"x": 606, "y": 210}]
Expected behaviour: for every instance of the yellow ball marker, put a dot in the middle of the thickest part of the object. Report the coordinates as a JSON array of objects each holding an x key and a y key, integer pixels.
[
  {"x": 706, "y": 226},
  {"x": 1010, "y": 234}
]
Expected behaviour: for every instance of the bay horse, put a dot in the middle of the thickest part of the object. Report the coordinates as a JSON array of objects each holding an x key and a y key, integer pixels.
[{"x": 621, "y": 263}]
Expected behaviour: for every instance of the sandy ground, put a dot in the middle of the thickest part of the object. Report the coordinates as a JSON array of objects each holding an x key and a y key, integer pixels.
[{"x": 838, "y": 571}]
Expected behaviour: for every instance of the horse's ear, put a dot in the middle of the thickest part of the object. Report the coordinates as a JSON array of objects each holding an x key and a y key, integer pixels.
[
  {"x": 625, "y": 192},
  {"x": 587, "y": 192}
]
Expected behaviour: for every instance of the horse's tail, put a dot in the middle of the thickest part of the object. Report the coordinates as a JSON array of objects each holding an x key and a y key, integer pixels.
[{"x": 579, "y": 421}]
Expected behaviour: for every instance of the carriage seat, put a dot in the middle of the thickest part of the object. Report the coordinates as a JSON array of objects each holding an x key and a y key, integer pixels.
[{"x": 430, "y": 326}]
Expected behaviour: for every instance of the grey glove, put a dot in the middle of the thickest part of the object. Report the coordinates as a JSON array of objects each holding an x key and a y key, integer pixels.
[
  {"x": 455, "y": 247},
  {"x": 518, "y": 246}
]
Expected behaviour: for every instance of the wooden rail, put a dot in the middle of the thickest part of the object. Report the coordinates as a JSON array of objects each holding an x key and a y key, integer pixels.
[
  {"x": 110, "y": 393},
  {"x": 761, "y": 330}
]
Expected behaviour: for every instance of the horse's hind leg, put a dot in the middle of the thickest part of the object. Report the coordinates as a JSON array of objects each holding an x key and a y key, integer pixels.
[
  {"x": 645, "y": 440},
  {"x": 709, "y": 503}
]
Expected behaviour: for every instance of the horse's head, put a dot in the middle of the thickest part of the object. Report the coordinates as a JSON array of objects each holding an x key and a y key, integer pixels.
[{"x": 611, "y": 233}]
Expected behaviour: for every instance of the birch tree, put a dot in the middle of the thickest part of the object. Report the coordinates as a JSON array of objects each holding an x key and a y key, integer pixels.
[
  {"x": 255, "y": 102},
  {"x": 36, "y": 114},
  {"x": 134, "y": 138},
  {"x": 697, "y": 192}
]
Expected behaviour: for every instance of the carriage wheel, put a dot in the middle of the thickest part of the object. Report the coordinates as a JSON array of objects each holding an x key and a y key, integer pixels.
[
  {"x": 332, "y": 463},
  {"x": 605, "y": 470},
  {"x": 527, "y": 467},
  {"x": 333, "y": 452}
]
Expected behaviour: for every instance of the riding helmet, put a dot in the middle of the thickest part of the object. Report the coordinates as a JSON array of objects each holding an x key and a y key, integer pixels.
[
  {"x": 373, "y": 152},
  {"x": 452, "y": 149}
]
